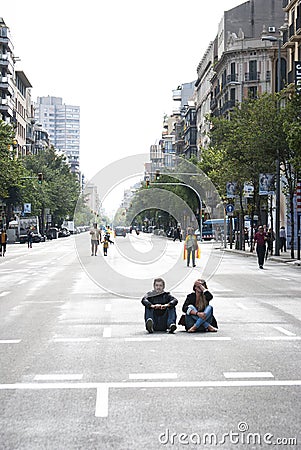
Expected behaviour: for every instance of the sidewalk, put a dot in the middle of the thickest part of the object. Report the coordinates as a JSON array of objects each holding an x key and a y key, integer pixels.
[{"x": 283, "y": 258}]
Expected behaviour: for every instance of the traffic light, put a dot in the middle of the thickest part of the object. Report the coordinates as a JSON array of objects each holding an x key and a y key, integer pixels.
[
  {"x": 40, "y": 177},
  {"x": 157, "y": 175},
  {"x": 147, "y": 183}
]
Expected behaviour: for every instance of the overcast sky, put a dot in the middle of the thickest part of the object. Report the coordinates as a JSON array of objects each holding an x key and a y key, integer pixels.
[{"x": 119, "y": 60}]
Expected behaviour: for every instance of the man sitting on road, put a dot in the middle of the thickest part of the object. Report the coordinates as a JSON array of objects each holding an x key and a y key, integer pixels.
[{"x": 160, "y": 311}]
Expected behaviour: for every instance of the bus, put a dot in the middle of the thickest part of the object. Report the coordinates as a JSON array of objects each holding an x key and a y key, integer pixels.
[{"x": 214, "y": 228}]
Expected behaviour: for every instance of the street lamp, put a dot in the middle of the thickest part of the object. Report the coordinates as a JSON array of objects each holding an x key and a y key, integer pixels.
[{"x": 277, "y": 224}]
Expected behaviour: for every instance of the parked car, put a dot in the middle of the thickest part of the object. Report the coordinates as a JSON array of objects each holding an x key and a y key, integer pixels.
[
  {"x": 37, "y": 237},
  {"x": 52, "y": 233},
  {"x": 120, "y": 231},
  {"x": 63, "y": 232}
]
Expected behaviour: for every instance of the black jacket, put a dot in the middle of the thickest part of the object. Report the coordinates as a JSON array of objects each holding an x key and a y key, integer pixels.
[
  {"x": 191, "y": 300},
  {"x": 153, "y": 298}
]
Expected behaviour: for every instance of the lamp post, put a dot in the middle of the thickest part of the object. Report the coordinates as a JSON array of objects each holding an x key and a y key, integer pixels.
[{"x": 277, "y": 221}]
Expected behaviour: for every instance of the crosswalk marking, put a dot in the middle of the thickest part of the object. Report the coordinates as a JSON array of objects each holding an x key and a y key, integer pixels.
[
  {"x": 284, "y": 331},
  {"x": 58, "y": 377}
]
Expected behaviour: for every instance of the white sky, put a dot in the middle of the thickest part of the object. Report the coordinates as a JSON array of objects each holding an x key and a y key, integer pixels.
[{"x": 118, "y": 60}]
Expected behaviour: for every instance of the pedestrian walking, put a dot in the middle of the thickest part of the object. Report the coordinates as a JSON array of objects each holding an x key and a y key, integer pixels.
[
  {"x": 191, "y": 247},
  {"x": 260, "y": 240},
  {"x": 177, "y": 234},
  {"x": 160, "y": 309},
  {"x": 105, "y": 245},
  {"x": 29, "y": 237},
  {"x": 95, "y": 239},
  {"x": 3, "y": 241},
  {"x": 198, "y": 313},
  {"x": 270, "y": 242},
  {"x": 282, "y": 237}
]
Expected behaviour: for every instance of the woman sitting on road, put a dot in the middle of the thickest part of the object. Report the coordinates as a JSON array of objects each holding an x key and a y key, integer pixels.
[{"x": 198, "y": 312}]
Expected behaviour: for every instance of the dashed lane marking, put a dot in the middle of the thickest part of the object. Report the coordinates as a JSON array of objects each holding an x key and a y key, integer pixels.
[
  {"x": 280, "y": 338},
  {"x": 284, "y": 331},
  {"x": 248, "y": 375},
  {"x": 107, "y": 332},
  {"x": 58, "y": 377},
  {"x": 152, "y": 376},
  {"x": 4, "y": 293},
  {"x": 10, "y": 341},
  {"x": 241, "y": 306}
]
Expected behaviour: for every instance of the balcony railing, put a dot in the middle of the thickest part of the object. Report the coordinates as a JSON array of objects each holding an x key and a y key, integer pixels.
[
  {"x": 228, "y": 105},
  {"x": 291, "y": 31},
  {"x": 252, "y": 76},
  {"x": 213, "y": 104},
  {"x": 268, "y": 76},
  {"x": 232, "y": 78}
]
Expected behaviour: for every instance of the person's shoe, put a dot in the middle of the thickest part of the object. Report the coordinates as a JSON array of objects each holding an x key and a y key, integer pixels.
[
  {"x": 193, "y": 329},
  {"x": 194, "y": 265},
  {"x": 92, "y": 254},
  {"x": 149, "y": 325},
  {"x": 260, "y": 267},
  {"x": 172, "y": 328}
]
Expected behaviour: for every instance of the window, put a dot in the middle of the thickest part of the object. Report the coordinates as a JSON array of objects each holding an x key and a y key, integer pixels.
[
  {"x": 253, "y": 70},
  {"x": 252, "y": 92}
]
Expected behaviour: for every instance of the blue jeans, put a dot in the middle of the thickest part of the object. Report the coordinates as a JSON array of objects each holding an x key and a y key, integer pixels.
[
  {"x": 161, "y": 321},
  {"x": 200, "y": 323}
]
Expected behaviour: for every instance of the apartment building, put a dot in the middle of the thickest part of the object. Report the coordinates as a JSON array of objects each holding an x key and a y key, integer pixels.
[
  {"x": 292, "y": 36},
  {"x": 7, "y": 104},
  {"x": 238, "y": 64},
  {"x": 63, "y": 125}
]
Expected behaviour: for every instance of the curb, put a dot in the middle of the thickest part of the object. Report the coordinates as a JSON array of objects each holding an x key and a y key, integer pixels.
[{"x": 279, "y": 259}]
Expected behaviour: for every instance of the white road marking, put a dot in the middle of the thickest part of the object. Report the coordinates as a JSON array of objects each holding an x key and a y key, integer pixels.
[
  {"x": 43, "y": 301},
  {"x": 71, "y": 339},
  {"x": 22, "y": 282},
  {"x": 142, "y": 339},
  {"x": 102, "y": 401},
  {"x": 284, "y": 331},
  {"x": 213, "y": 338},
  {"x": 108, "y": 308},
  {"x": 241, "y": 306},
  {"x": 280, "y": 338},
  {"x": 107, "y": 332},
  {"x": 4, "y": 293},
  {"x": 59, "y": 377},
  {"x": 248, "y": 375},
  {"x": 152, "y": 376},
  {"x": 10, "y": 341},
  {"x": 283, "y": 278}
]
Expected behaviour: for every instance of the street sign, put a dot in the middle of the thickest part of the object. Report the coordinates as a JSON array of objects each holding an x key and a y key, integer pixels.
[
  {"x": 27, "y": 208},
  {"x": 229, "y": 209}
]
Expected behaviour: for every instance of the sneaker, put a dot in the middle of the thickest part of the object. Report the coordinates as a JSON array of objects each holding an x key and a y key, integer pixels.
[
  {"x": 149, "y": 325},
  {"x": 172, "y": 328},
  {"x": 260, "y": 267}
]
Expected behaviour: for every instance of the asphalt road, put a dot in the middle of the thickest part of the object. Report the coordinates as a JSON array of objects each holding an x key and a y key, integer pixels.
[{"x": 79, "y": 371}]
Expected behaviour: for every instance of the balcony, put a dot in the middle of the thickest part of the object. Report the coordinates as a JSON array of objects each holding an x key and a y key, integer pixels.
[
  {"x": 233, "y": 78},
  {"x": 176, "y": 95},
  {"x": 268, "y": 75},
  {"x": 298, "y": 27},
  {"x": 228, "y": 105},
  {"x": 252, "y": 76},
  {"x": 285, "y": 3}
]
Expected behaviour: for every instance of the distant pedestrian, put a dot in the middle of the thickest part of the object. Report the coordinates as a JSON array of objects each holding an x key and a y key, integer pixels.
[
  {"x": 177, "y": 234},
  {"x": 105, "y": 245},
  {"x": 3, "y": 241},
  {"x": 270, "y": 242},
  {"x": 260, "y": 240},
  {"x": 160, "y": 309},
  {"x": 29, "y": 237},
  {"x": 95, "y": 239},
  {"x": 190, "y": 247},
  {"x": 282, "y": 236}
]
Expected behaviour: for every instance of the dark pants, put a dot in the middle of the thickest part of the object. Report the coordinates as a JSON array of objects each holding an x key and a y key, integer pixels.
[
  {"x": 161, "y": 319},
  {"x": 260, "y": 250},
  {"x": 3, "y": 249},
  {"x": 283, "y": 244},
  {"x": 191, "y": 252}
]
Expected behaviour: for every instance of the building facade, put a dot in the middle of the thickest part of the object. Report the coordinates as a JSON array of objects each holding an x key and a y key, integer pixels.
[
  {"x": 63, "y": 125},
  {"x": 292, "y": 36}
]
